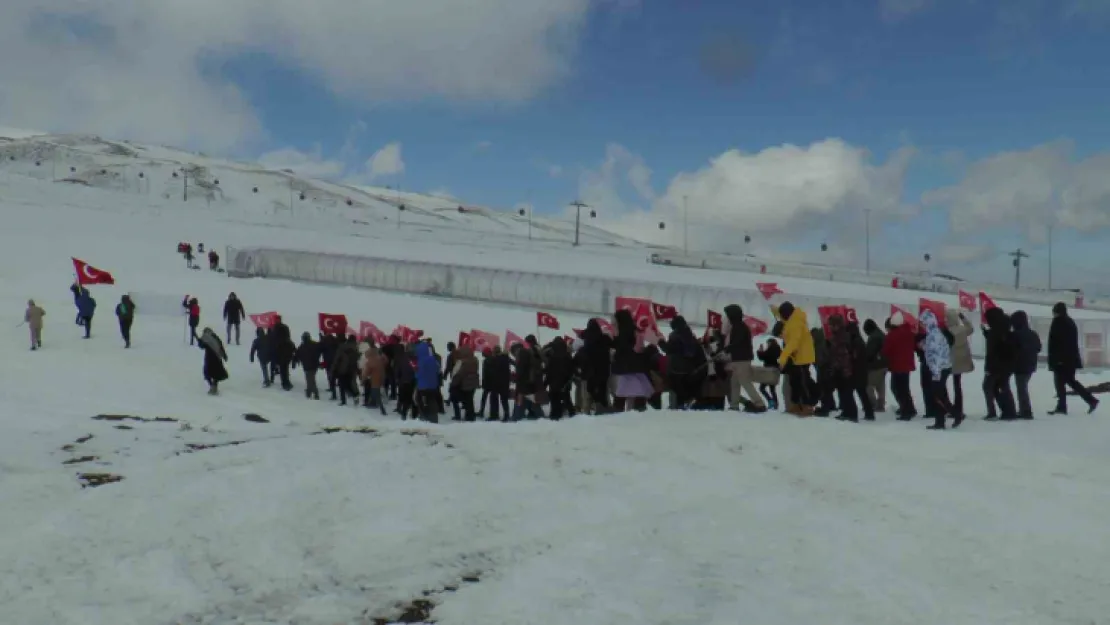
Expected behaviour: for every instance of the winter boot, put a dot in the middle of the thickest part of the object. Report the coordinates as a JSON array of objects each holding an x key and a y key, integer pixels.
[
  {"x": 958, "y": 421},
  {"x": 1091, "y": 407},
  {"x": 937, "y": 425}
]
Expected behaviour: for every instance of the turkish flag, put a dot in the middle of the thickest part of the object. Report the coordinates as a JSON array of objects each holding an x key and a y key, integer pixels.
[
  {"x": 713, "y": 320},
  {"x": 465, "y": 340},
  {"x": 768, "y": 289},
  {"x": 663, "y": 312},
  {"x": 967, "y": 301},
  {"x": 938, "y": 309},
  {"x": 407, "y": 334},
  {"x": 511, "y": 338},
  {"x": 264, "y": 320},
  {"x": 641, "y": 310},
  {"x": 828, "y": 312},
  {"x": 547, "y": 320},
  {"x": 484, "y": 340},
  {"x": 985, "y": 304},
  {"x": 606, "y": 327},
  {"x": 369, "y": 330},
  {"x": 850, "y": 315},
  {"x": 333, "y": 324},
  {"x": 911, "y": 321},
  {"x": 87, "y": 274},
  {"x": 756, "y": 325}
]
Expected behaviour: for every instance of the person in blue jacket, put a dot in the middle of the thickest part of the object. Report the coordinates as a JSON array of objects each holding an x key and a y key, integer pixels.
[
  {"x": 427, "y": 382},
  {"x": 86, "y": 306}
]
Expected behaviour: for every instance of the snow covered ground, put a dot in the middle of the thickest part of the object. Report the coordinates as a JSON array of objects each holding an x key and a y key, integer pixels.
[{"x": 646, "y": 519}]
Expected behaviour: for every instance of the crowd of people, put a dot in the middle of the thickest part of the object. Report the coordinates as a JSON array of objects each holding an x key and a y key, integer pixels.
[{"x": 821, "y": 370}]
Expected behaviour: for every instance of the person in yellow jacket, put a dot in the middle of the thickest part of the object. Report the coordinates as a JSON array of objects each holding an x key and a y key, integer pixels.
[{"x": 798, "y": 354}]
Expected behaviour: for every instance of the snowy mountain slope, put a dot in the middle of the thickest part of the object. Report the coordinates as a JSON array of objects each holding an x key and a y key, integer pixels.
[{"x": 647, "y": 519}]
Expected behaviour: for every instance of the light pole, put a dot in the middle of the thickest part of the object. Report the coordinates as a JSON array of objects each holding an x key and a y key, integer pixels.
[
  {"x": 521, "y": 212},
  {"x": 685, "y": 225},
  {"x": 867, "y": 231},
  {"x": 1050, "y": 258},
  {"x": 578, "y": 205}
]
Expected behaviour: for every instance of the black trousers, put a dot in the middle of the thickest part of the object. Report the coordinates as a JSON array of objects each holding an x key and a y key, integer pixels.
[
  {"x": 427, "y": 402},
  {"x": 283, "y": 371},
  {"x": 686, "y": 386},
  {"x": 87, "y": 322},
  {"x": 406, "y": 400},
  {"x": 925, "y": 378},
  {"x": 996, "y": 390},
  {"x": 598, "y": 390},
  {"x": 900, "y": 388},
  {"x": 1064, "y": 379},
  {"x": 125, "y": 331},
  {"x": 802, "y": 386},
  {"x": 499, "y": 399},
  {"x": 230, "y": 325},
  {"x": 310, "y": 389},
  {"x": 561, "y": 403},
  {"x": 463, "y": 403}
]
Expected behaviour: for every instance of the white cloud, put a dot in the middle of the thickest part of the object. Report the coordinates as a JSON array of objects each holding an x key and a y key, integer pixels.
[
  {"x": 555, "y": 171},
  {"x": 774, "y": 194},
  {"x": 310, "y": 164},
  {"x": 482, "y": 146},
  {"x": 386, "y": 162},
  {"x": 1030, "y": 189},
  {"x": 67, "y": 65}
]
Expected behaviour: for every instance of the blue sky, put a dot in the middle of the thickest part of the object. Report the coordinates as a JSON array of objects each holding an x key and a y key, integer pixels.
[{"x": 928, "y": 113}]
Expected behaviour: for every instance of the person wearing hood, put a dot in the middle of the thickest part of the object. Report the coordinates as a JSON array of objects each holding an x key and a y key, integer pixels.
[
  {"x": 999, "y": 365},
  {"x": 738, "y": 344},
  {"x": 283, "y": 350},
  {"x": 840, "y": 368},
  {"x": 686, "y": 362},
  {"x": 233, "y": 315},
  {"x": 373, "y": 377},
  {"x": 427, "y": 381},
  {"x": 497, "y": 377},
  {"x": 214, "y": 358},
  {"x": 260, "y": 349},
  {"x": 876, "y": 365},
  {"x": 798, "y": 355},
  {"x": 33, "y": 318},
  {"x": 192, "y": 309},
  {"x": 465, "y": 380},
  {"x": 345, "y": 369},
  {"x": 630, "y": 366},
  {"x": 1028, "y": 347},
  {"x": 560, "y": 377},
  {"x": 86, "y": 307},
  {"x": 404, "y": 367},
  {"x": 125, "y": 312},
  {"x": 826, "y": 383},
  {"x": 308, "y": 357},
  {"x": 938, "y": 363},
  {"x": 1064, "y": 360},
  {"x": 962, "y": 364},
  {"x": 899, "y": 352},
  {"x": 593, "y": 360}
]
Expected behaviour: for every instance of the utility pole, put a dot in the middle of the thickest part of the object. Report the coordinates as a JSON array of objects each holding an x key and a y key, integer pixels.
[
  {"x": 579, "y": 205},
  {"x": 867, "y": 230},
  {"x": 1050, "y": 258},
  {"x": 1018, "y": 255},
  {"x": 685, "y": 225},
  {"x": 185, "y": 179}
]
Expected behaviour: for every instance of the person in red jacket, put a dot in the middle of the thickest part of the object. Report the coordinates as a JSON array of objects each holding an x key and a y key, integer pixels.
[{"x": 899, "y": 352}]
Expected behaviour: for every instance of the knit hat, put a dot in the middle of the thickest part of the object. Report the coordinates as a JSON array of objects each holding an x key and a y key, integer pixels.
[
  {"x": 897, "y": 319},
  {"x": 1060, "y": 309}
]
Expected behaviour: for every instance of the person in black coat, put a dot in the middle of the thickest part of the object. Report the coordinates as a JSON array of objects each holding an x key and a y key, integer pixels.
[
  {"x": 308, "y": 357},
  {"x": 998, "y": 366},
  {"x": 594, "y": 362},
  {"x": 214, "y": 358},
  {"x": 687, "y": 364},
  {"x": 740, "y": 352},
  {"x": 630, "y": 367},
  {"x": 497, "y": 377},
  {"x": 769, "y": 354},
  {"x": 283, "y": 349},
  {"x": 329, "y": 345},
  {"x": 560, "y": 374},
  {"x": 1028, "y": 348},
  {"x": 260, "y": 349},
  {"x": 233, "y": 315},
  {"x": 1064, "y": 360},
  {"x": 860, "y": 371},
  {"x": 876, "y": 366}
]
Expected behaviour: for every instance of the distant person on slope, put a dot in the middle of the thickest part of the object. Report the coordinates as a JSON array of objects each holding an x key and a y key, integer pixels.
[
  {"x": 33, "y": 318},
  {"x": 192, "y": 309},
  {"x": 125, "y": 312},
  {"x": 233, "y": 315},
  {"x": 344, "y": 370},
  {"x": 373, "y": 377},
  {"x": 1028, "y": 344},
  {"x": 738, "y": 344},
  {"x": 308, "y": 356},
  {"x": 86, "y": 307},
  {"x": 213, "y": 260},
  {"x": 999, "y": 365},
  {"x": 1064, "y": 360},
  {"x": 214, "y": 358},
  {"x": 876, "y": 365},
  {"x": 427, "y": 382},
  {"x": 938, "y": 366},
  {"x": 899, "y": 353},
  {"x": 962, "y": 364},
  {"x": 283, "y": 348}
]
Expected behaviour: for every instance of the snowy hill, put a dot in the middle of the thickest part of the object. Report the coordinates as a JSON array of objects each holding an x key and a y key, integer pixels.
[{"x": 647, "y": 519}]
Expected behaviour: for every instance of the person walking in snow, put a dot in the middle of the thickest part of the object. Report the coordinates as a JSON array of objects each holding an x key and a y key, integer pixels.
[
  {"x": 373, "y": 377},
  {"x": 962, "y": 364},
  {"x": 999, "y": 365},
  {"x": 938, "y": 365},
  {"x": 86, "y": 307},
  {"x": 233, "y": 315},
  {"x": 899, "y": 353},
  {"x": 282, "y": 350},
  {"x": 876, "y": 365},
  {"x": 798, "y": 355},
  {"x": 345, "y": 368},
  {"x": 125, "y": 313},
  {"x": 560, "y": 376},
  {"x": 465, "y": 380},
  {"x": 260, "y": 349},
  {"x": 213, "y": 260},
  {"x": 738, "y": 344},
  {"x": 427, "y": 381},
  {"x": 841, "y": 372},
  {"x": 405, "y": 376},
  {"x": 214, "y": 358},
  {"x": 308, "y": 357},
  {"x": 189, "y": 255},
  {"x": 33, "y": 318},
  {"x": 1028, "y": 348},
  {"x": 192, "y": 309},
  {"x": 497, "y": 378},
  {"x": 594, "y": 363},
  {"x": 768, "y": 355},
  {"x": 329, "y": 345},
  {"x": 1064, "y": 360}
]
